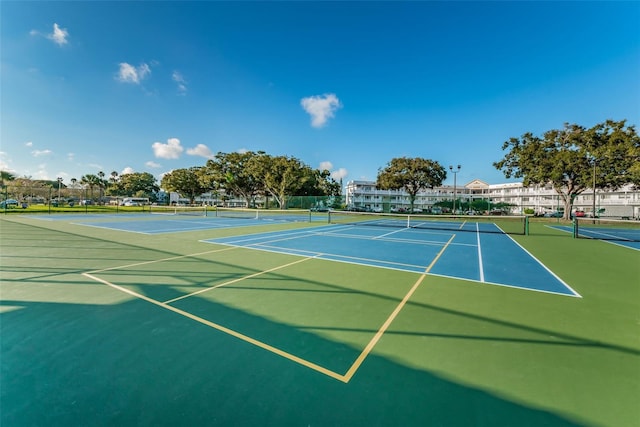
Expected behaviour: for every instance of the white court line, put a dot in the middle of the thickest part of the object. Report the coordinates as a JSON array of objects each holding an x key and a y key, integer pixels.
[
  {"x": 546, "y": 268},
  {"x": 480, "y": 264},
  {"x": 324, "y": 256},
  {"x": 388, "y": 234},
  {"x": 250, "y": 276},
  {"x": 163, "y": 259}
]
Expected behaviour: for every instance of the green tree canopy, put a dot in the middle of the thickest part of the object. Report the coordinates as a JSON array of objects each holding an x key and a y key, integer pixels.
[
  {"x": 570, "y": 158},
  {"x": 281, "y": 176},
  {"x": 411, "y": 174},
  {"x": 6, "y": 177},
  {"x": 92, "y": 181},
  {"x": 186, "y": 182},
  {"x": 138, "y": 184},
  {"x": 233, "y": 172}
]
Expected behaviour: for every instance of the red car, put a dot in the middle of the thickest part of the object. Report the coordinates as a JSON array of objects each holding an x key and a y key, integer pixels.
[{"x": 579, "y": 214}]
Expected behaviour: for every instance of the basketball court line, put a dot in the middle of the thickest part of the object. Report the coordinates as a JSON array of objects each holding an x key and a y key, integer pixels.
[{"x": 345, "y": 378}]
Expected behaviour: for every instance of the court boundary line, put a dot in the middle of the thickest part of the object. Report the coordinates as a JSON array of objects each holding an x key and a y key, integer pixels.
[
  {"x": 367, "y": 350},
  {"x": 250, "y": 276},
  {"x": 575, "y": 294},
  {"x": 563, "y": 228},
  {"x": 298, "y": 235},
  {"x": 345, "y": 378},
  {"x": 480, "y": 263},
  {"x": 383, "y": 264}
]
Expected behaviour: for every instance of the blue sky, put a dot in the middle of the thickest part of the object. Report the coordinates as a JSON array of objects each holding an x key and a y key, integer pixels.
[{"x": 155, "y": 86}]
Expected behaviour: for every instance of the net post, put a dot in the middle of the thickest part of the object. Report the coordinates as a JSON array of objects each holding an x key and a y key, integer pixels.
[
  {"x": 526, "y": 225},
  {"x": 575, "y": 228}
]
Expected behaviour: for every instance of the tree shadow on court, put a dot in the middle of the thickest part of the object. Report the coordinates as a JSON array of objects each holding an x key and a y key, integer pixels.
[{"x": 136, "y": 364}]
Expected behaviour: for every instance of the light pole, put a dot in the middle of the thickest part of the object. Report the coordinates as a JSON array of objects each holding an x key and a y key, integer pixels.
[
  {"x": 59, "y": 185},
  {"x": 594, "y": 160},
  {"x": 455, "y": 172}
]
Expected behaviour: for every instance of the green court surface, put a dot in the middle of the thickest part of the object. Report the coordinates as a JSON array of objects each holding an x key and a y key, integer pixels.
[{"x": 105, "y": 327}]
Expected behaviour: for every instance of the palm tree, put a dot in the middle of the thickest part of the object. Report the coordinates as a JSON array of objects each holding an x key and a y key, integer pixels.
[
  {"x": 6, "y": 176},
  {"x": 101, "y": 183},
  {"x": 91, "y": 181}
]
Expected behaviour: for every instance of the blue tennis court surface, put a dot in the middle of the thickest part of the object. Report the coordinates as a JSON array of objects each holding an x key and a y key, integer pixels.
[
  {"x": 160, "y": 224},
  {"x": 489, "y": 258},
  {"x": 628, "y": 238},
  {"x": 482, "y": 257}
]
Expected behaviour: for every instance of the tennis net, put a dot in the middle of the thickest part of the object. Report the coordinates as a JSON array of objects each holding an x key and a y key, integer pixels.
[
  {"x": 178, "y": 210},
  {"x": 607, "y": 229},
  {"x": 509, "y": 224},
  {"x": 288, "y": 215}
]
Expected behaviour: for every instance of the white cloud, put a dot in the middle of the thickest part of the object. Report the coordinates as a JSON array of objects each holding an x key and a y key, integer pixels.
[
  {"x": 321, "y": 108},
  {"x": 41, "y": 173},
  {"x": 171, "y": 150},
  {"x": 326, "y": 166},
  {"x": 200, "y": 150},
  {"x": 339, "y": 174},
  {"x": 4, "y": 162},
  {"x": 28, "y": 144},
  {"x": 71, "y": 157},
  {"x": 39, "y": 153},
  {"x": 127, "y": 170},
  {"x": 242, "y": 151},
  {"x": 151, "y": 164},
  {"x": 130, "y": 74},
  {"x": 59, "y": 35},
  {"x": 180, "y": 81}
]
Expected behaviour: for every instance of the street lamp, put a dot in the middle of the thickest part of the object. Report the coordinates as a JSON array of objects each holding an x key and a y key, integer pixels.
[
  {"x": 455, "y": 172},
  {"x": 59, "y": 185},
  {"x": 592, "y": 158}
]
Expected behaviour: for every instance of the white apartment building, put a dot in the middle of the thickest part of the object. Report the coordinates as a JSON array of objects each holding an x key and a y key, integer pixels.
[{"x": 624, "y": 202}]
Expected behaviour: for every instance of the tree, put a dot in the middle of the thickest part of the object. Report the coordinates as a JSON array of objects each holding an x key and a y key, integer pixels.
[
  {"x": 138, "y": 184},
  {"x": 572, "y": 157},
  {"x": 232, "y": 171},
  {"x": 319, "y": 183},
  {"x": 281, "y": 176},
  {"x": 5, "y": 177},
  {"x": 91, "y": 181},
  {"x": 102, "y": 183},
  {"x": 411, "y": 174},
  {"x": 186, "y": 182}
]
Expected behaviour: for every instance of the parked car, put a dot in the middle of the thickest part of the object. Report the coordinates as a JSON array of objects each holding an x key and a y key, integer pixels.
[
  {"x": 9, "y": 203},
  {"x": 579, "y": 214},
  {"x": 555, "y": 214}
]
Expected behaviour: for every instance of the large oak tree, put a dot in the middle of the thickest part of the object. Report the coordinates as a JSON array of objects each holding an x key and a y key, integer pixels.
[
  {"x": 186, "y": 182},
  {"x": 412, "y": 175},
  {"x": 572, "y": 157}
]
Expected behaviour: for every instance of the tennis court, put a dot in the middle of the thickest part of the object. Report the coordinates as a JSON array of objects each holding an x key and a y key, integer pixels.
[
  {"x": 221, "y": 321},
  {"x": 620, "y": 232},
  {"x": 485, "y": 258}
]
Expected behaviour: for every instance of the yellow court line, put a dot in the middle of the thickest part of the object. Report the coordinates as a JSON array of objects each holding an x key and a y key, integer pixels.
[
  {"x": 238, "y": 279},
  {"x": 344, "y": 378},
  {"x": 163, "y": 259},
  {"x": 352, "y": 370},
  {"x": 462, "y": 225},
  {"x": 221, "y": 328}
]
